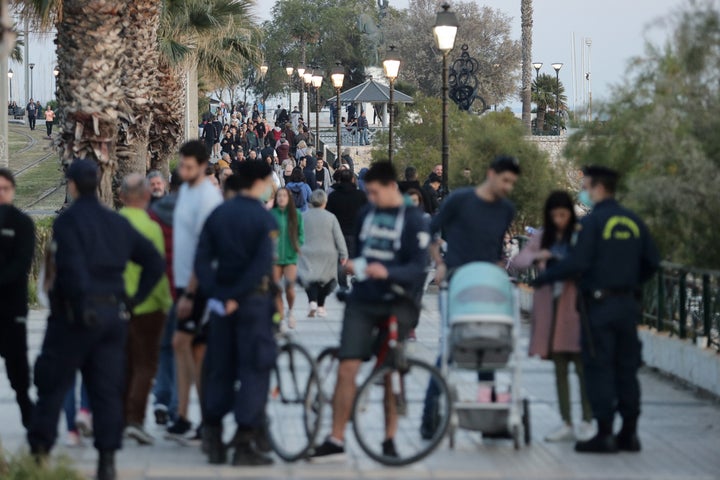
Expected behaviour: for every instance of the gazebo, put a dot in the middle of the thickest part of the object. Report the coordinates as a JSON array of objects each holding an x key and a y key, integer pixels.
[{"x": 373, "y": 92}]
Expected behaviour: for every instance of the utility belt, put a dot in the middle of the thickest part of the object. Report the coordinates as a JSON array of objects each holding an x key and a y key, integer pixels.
[
  {"x": 600, "y": 294},
  {"x": 87, "y": 314}
]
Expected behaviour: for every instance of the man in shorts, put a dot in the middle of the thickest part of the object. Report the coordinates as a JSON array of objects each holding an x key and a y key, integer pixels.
[
  {"x": 197, "y": 198},
  {"x": 392, "y": 241}
]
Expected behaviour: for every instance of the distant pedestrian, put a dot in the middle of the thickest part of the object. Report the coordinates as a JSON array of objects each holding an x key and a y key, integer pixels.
[
  {"x": 32, "y": 111},
  {"x": 49, "y": 120},
  {"x": 363, "y": 129}
]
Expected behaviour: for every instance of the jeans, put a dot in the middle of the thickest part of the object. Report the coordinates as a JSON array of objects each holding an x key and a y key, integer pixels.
[
  {"x": 364, "y": 137},
  {"x": 165, "y": 391},
  {"x": 70, "y": 405},
  {"x": 48, "y": 127}
]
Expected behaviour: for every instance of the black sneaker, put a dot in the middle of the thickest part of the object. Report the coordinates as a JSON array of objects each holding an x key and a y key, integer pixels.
[
  {"x": 329, "y": 451},
  {"x": 388, "y": 447},
  {"x": 180, "y": 431},
  {"x": 628, "y": 442},
  {"x": 600, "y": 443},
  {"x": 161, "y": 416}
]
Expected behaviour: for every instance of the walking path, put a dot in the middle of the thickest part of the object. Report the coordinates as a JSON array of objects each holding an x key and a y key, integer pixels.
[{"x": 679, "y": 429}]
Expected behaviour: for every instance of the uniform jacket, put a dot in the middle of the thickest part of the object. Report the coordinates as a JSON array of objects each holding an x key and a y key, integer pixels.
[
  {"x": 324, "y": 246},
  {"x": 286, "y": 254},
  {"x": 566, "y": 321},
  {"x": 17, "y": 245}
]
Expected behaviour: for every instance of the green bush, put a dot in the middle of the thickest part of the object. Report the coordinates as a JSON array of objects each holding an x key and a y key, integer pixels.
[{"x": 24, "y": 467}]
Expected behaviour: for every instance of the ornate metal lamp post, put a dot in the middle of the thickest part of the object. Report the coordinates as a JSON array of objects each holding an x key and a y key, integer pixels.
[
  {"x": 56, "y": 72},
  {"x": 445, "y": 30},
  {"x": 464, "y": 82},
  {"x": 301, "y": 71},
  {"x": 263, "y": 71},
  {"x": 289, "y": 70},
  {"x": 317, "y": 80},
  {"x": 338, "y": 77},
  {"x": 32, "y": 67},
  {"x": 557, "y": 67},
  {"x": 391, "y": 65},
  {"x": 307, "y": 80}
]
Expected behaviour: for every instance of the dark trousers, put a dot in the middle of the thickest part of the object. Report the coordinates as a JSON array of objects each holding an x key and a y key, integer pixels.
[
  {"x": 164, "y": 390},
  {"x": 13, "y": 349},
  {"x": 31, "y": 122},
  {"x": 143, "y": 352},
  {"x": 318, "y": 292},
  {"x": 48, "y": 127},
  {"x": 241, "y": 353},
  {"x": 99, "y": 353},
  {"x": 342, "y": 276},
  {"x": 612, "y": 356}
]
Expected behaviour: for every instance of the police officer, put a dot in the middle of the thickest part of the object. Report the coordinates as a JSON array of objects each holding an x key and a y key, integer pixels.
[
  {"x": 613, "y": 256},
  {"x": 87, "y": 326},
  {"x": 17, "y": 243},
  {"x": 233, "y": 265}
]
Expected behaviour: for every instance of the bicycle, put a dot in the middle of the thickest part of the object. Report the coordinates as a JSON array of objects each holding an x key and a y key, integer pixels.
[
  {"x": 295, "y": 404},
  {"x": 394, "y": 391}
]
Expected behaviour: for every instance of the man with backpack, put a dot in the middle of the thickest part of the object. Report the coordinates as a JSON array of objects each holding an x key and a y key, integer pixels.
[{"x": 299, "y": 189}]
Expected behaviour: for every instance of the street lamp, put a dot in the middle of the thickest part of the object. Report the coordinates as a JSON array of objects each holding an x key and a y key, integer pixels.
[
  {"x": 557, "y": 67},
  {"x": 338, "y": 77},
  {"x": 307, "y": 80},
  {"x": 391, "y": 65},
  {"x": 10, "y": 75},
  {"x": 537, "y": 66},
  {"x": 56, "y": 72},
  {"x": 317, "y": 80},
  {"x": 289, "y": 70},
  {"x": 445, "y": 30},
  {"x": 301, "y": 72},
  {"x": 31, "y": 65},
  {"x": 263, "y": 71}
]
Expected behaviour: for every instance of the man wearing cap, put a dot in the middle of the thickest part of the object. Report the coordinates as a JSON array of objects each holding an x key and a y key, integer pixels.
[
  {"x": 87, "y": 327},
  {"x": 473, "y": 221},
  {"x": 613, "y": 256}
]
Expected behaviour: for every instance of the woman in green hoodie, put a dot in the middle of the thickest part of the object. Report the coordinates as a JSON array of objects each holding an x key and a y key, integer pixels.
[{"x": 290, "y": 238}]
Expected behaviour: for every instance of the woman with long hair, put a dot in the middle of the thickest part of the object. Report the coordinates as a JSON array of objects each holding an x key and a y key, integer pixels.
[
  {"x": 291, "y": 236},
  {"x": 555, "y": 320}
]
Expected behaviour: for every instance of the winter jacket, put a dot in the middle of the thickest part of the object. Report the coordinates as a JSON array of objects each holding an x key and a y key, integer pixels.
[{"x": 345, "y": 202}]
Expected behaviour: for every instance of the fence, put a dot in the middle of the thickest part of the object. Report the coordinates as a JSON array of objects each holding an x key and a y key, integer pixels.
[
  {"x": 348, "y": 138},
  {"x": 685, "y": 302}
]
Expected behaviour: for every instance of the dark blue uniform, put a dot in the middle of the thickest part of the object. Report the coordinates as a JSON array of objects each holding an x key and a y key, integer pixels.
[
  {"x": 234, "y": 261},
  {"x": 613, "y": 256},
  {"x": 87, "y": 325}
]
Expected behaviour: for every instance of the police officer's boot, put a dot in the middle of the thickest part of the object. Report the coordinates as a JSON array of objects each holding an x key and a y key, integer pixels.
[
  {"x": 26, "y": 409},
  {"x": 627, "y": 439},
  {"x": 246, "y": 453},
  {"x": 261, "y": 437},
  {"x": 106, "y": 466},
  {"x": 212, "y": 436},
  {"x": 603, "y": 442}
]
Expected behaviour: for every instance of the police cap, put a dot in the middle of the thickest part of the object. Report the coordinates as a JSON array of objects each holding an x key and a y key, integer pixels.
[
  {"x": 596, "y": 171},
  {"x": 81, "y": 171}
]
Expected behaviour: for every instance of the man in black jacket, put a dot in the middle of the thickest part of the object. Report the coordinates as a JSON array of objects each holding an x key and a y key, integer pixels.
[
  {"x": 411, "y": 182},
  {"x": 17, "y": 243},
  {"x": 345, "y": 202}
]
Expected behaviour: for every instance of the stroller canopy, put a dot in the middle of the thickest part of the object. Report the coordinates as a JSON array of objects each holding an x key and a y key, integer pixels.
[{"x": 480, "y": 291}]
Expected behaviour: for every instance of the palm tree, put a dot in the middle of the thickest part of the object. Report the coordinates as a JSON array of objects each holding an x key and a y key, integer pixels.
[
  {"x": 526, "y": 18},
  {"x": 545, "y": 94}
]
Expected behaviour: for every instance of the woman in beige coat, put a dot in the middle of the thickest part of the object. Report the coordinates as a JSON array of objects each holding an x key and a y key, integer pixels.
[{"x": 555, "y": 320}]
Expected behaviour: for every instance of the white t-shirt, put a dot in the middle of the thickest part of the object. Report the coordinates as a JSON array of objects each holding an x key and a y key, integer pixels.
[{"x": 193, "y": 206}]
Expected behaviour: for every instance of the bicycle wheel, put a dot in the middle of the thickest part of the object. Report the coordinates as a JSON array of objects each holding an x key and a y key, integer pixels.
[
  {"x": 327, "y": 366},
  {"x": 388, "y": 393},
  {"x": 293, "y": 418}
]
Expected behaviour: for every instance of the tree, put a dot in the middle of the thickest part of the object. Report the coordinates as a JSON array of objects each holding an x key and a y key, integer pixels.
[
  {"x": 526, "y": 19},
  {"x": 485, "y": 30},
  {"x": 660, "y": 133},
  {"x": 474, "y": 142},
  {"x": 547, "y": 91}
]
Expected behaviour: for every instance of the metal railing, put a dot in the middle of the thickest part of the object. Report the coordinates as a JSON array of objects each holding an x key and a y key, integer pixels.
[
  {"x": 685, "y": 302},
  {"x": 348, "y": 138}
]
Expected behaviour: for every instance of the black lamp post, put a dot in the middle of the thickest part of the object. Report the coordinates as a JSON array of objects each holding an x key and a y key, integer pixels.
[
  {"x": 391, "y": 65},
  {"x": 317, "y": 80},
  {"x": 289, "y": 70},
  {"x": 32, "y": 94},
  {"x": 557, "y": 67},
  {"x": 56, "y": 72},
  {"x": 338, "y": 77},
  {"x": 445, "y": 29},
  {"x": 307, "y": 80},
  {"x": 301, "y": 71},
  {"x": 263, "y": 71}
]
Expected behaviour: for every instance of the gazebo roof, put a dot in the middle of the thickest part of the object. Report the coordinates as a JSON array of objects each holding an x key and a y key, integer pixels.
[{"x": 373, "y": 92}]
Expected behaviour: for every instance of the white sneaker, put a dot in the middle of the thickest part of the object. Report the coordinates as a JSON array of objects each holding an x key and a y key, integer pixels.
[
  {"x": 321, "y": 312},
  {"x": 83, "y": 421},
  {"x": 138, "y": 433},
  {"x": 585, "y": 431},
  {"x": 73, "y": 440},
  {"x": 291, "y": 320},
  {"x": 313, "y": 309},
  {"x": 563, "y": 434}
]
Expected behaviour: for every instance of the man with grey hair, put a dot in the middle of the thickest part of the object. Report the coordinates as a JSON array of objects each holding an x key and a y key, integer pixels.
[
  {"x": 147, "y": 320},
  {"x": 158, "y": 185}
]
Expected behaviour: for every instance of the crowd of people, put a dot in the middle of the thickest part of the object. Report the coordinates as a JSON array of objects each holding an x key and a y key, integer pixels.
[
  {"x": 34, "y": 110},
  {"x": 185, "y": 286}
]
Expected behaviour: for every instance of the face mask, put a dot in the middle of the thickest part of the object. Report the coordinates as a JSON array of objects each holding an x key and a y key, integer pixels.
[
  {"x": 266, "y": 194},
  {"x": 585, "y": 199}
]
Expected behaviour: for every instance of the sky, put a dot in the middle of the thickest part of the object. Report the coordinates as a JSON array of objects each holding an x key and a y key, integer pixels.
[{"x": 618, "y": 29}]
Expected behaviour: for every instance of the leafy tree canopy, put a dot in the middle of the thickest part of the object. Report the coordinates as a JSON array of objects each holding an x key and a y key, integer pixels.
[{"x": 660, "y": 132}]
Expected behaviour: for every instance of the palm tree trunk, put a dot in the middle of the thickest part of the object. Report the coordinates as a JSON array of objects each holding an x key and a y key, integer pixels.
[
  {"x": 167, "y": 126},
  {"x": 526, "y": 14},
  {"x": 90, "y": 50},
  {"x": 540, "y": 125},
  {"x": 140, "y": 85}
]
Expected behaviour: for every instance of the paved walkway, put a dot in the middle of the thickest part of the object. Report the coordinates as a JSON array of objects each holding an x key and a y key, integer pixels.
[{"x": 680, "y": 433}]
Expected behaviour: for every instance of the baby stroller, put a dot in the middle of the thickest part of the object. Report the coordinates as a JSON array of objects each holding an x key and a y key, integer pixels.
[{"x": 481, "y": 328}]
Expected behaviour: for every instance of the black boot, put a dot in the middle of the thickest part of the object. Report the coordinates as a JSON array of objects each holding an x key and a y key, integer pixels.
[
  {"x": 627, "y": 439},
  {"x": 106, "y": 466},
  {"x": 26, "y": 410},
  {"x": 261, "y": 438},
  {"x": 603, "y": 442},
  {"x": 212, "y": 438},
  {"x": 246, "y": 453}
]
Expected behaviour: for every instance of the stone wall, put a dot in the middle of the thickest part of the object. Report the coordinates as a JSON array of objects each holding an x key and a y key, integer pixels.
[{"x": 553, "y": 145}]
